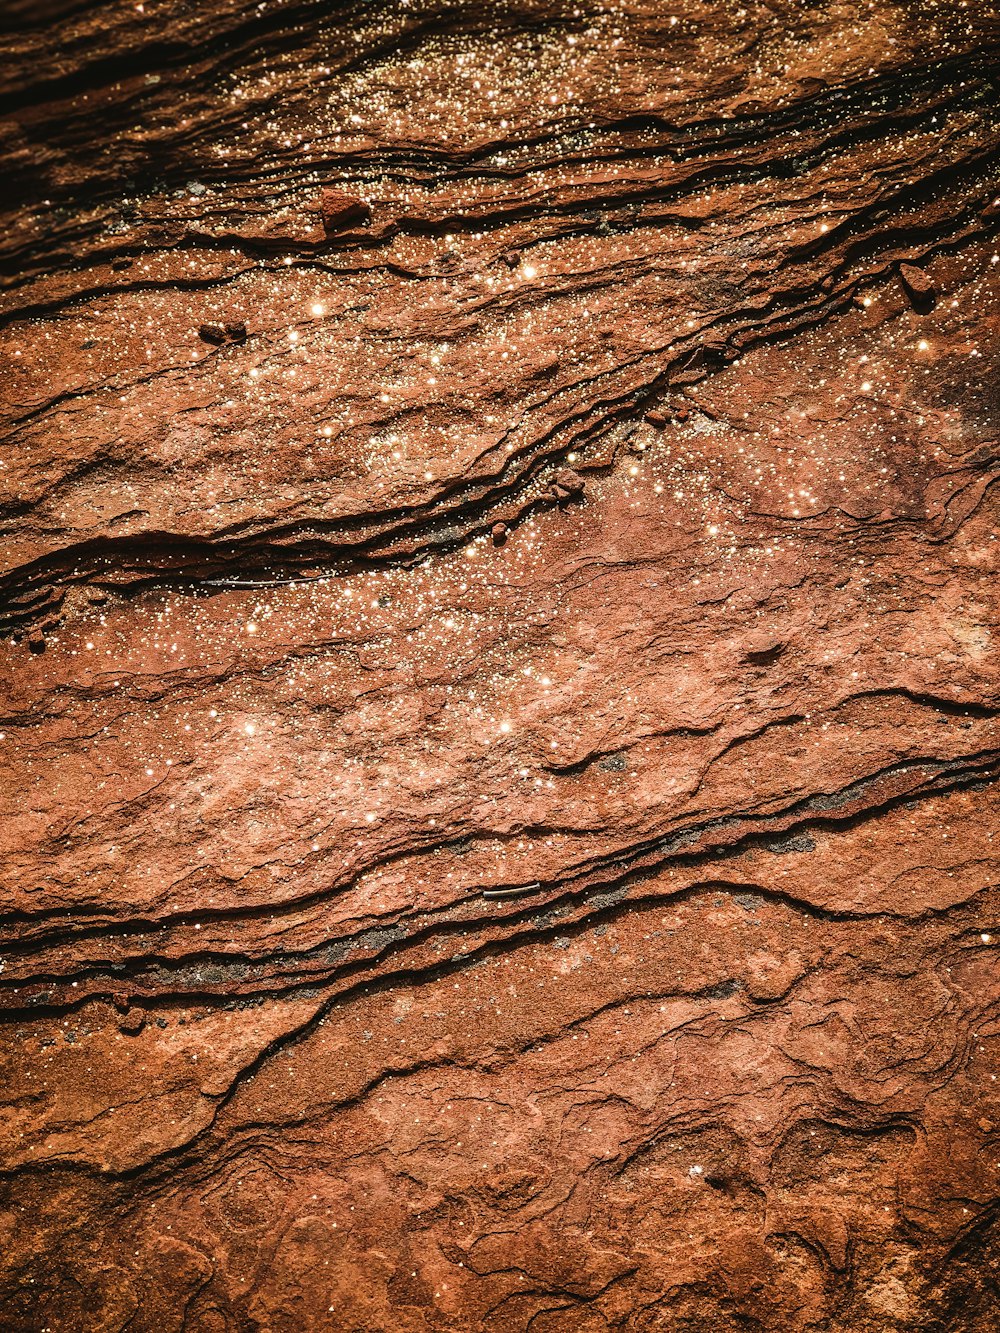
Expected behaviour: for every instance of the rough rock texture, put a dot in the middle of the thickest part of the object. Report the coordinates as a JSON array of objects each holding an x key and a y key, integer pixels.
[{"x": 499, "y": 757}]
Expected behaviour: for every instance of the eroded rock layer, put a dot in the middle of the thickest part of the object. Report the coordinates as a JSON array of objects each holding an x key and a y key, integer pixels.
[{"x": 500, "y": 696}]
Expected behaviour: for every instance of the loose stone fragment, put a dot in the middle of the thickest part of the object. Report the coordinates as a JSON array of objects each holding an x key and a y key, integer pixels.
[
  {"x": 762, "y": 650},
  {"x": 212, "y": 333},
  {"x": 657, "y": 418},
  {"x": 340, "y": 210},
  {"x": 499, "y": 533},
  {"x": 236, "y": 330},
  {"x": 569, "y": 481},
  {"x": 918, "y": 286}
]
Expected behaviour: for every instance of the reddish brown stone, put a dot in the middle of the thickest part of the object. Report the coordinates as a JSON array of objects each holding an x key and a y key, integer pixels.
[
  {"x": 568, "y": 480},
  {"x": 340, "y": 210},
  {"x": 918, "y": 286},
  {"x": 762, "y": 649},
  {"x": 133, "y": 1022}
]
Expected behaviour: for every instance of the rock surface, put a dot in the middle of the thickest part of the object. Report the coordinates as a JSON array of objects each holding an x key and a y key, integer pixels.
[{"x": 430, "y": 904}]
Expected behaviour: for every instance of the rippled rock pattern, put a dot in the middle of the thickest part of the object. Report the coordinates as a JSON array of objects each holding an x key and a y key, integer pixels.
[{"x": 501, "y": 710}]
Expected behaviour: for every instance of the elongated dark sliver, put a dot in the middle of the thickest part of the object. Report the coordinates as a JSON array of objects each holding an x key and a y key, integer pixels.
[{"x": 499, "y": 677}]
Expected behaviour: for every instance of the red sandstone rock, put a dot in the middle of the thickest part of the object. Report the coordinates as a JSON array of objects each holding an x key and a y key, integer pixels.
[{"x": 596, "y": 931}]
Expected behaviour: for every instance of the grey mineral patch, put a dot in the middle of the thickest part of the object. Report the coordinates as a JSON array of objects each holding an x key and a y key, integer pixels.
[{"x": 796, "y": 842}]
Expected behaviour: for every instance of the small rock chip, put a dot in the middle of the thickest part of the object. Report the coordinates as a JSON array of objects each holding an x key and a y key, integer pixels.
[
  {"x": 212, "y": 333},
  {"x": 499, "y": 533},
  {"x": 133, "y": 1022},
  {"x": 511, "y": 258},
  {"x": 236, "y": 330},
  {"x": 918, "y": 286},
  {"x": 569, "y": 481},
  {"x": 762, "y": 650},
  {"x": 657, "y": 419},
  {"x": 682, "y": 414},
  {"x": 36, "y": 644},
  {"x": 339, "y": 209}
]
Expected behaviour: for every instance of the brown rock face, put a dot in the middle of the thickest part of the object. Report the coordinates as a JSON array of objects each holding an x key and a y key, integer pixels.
[{"x": 499, "y": 749}]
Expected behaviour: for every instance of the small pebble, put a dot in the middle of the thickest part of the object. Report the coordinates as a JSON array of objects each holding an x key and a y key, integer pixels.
[
  {"x": 762, "y": 650},
  {"x": 569, "y": 481},
  {"x": 133, "y": 1022},
  {"x": 339, "y": 210},
  {"x": 918, "y": 286}
]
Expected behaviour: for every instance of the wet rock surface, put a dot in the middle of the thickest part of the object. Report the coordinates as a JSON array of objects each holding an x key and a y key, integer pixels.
[{"x": 500, "y": 746}]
